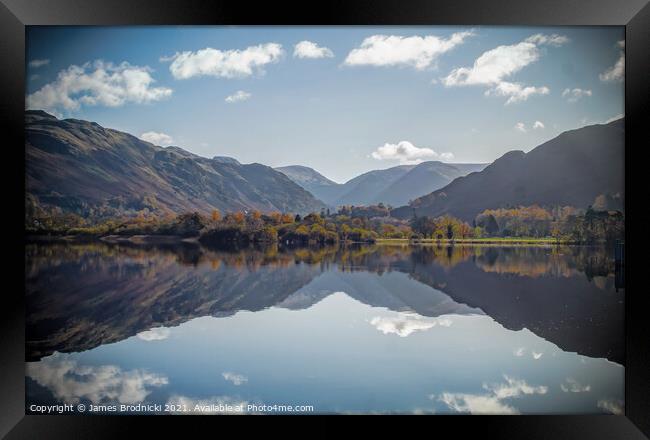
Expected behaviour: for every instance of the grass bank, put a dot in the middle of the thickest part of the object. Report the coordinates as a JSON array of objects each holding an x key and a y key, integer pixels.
[{"x": 486, "y": 240}]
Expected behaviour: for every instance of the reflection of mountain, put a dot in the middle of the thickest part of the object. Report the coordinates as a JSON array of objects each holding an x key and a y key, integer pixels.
[
  {"x": 392, "y": 290},
  {"x": 80, "y": 297},
  {"x": 562, "y": 305}
]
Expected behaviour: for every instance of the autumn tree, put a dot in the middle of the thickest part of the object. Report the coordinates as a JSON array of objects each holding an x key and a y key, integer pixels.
[{"x": 239, "y": 217}]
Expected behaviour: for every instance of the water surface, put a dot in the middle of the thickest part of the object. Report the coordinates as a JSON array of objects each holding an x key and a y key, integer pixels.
[{"x": 368, "y": 329}]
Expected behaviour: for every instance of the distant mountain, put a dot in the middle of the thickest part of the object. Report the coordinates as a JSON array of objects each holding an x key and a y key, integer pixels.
[
  {"x": 572, "y": 169},
  {"x": 81, "y": 167},
  {"x": 320, "y": 186},
  {"x": 363, "y": 189},
  {"x": 423, "y": 179},
  {"x": 394, "y": 186}
]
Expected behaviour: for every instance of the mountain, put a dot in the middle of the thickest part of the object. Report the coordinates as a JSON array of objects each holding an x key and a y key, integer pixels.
[
  {"x": 572, "y": 169},
  {"x": 81, "y": 167},
  {"x": 320, "y": 186},
  {"x": 423, "y": 179},
  {"x": 395, "y": 186},
  {"x": 363, "y": 189}
]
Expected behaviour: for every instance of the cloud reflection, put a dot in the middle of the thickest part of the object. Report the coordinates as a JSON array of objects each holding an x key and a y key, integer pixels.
[
  {"x": 573, "y": 386},
  {"x": 491, "y": 402},
  {"x": 154, "y": 334},
  {"x": 406, "y": 323},
  {"x": 70, "y": 382},
  {"x": 236, "y": 379},
  {"x": 612, "y": 406}
]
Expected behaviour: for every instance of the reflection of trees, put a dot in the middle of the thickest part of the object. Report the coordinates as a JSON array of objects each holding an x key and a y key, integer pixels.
[
  {"x": 536, "y": 261},
  {"x": 83, "y": 295}
]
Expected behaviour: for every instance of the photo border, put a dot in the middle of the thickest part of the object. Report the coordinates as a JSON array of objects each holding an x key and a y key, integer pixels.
[{"x": 16, "y": 14}]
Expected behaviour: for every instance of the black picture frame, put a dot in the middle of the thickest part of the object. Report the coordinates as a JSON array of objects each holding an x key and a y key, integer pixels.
[{"x": 16, "y": 14}]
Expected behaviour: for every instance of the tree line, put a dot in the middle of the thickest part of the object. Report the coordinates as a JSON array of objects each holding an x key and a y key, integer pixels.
[{"x": 348, "y": 224}]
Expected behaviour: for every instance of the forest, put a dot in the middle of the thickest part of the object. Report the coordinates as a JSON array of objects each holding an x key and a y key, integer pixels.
[{"x": 349, "y": 224}]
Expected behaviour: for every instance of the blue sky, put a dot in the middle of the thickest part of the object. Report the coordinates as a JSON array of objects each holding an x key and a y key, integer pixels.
[{"x": 349, "y": 100}]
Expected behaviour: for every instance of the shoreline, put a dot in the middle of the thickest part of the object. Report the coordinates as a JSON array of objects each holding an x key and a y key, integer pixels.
[
  {"x": 484, "y": 241},
  {"x": 144, "y": 239}
]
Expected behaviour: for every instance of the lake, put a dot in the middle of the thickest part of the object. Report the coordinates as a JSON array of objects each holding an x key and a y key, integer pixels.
[{"x": 358, "y": 329}]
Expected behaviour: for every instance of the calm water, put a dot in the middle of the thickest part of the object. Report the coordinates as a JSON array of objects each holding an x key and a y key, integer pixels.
[{"x": 372, "y": 329}]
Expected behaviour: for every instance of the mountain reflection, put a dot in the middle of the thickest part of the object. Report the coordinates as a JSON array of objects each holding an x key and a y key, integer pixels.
[{"x": 80, "y": 296}]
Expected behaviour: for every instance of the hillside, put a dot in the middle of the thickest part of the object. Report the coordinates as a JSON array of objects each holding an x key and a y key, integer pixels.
[
  {"x": 394, "y": 186},
  {"x": 81, "y": 167},
  {"x": 572, "y": 169},
  {"x": 423, "y": 179}
]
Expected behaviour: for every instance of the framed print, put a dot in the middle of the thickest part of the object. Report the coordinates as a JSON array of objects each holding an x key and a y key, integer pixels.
[{"x": 369, "y": 209}]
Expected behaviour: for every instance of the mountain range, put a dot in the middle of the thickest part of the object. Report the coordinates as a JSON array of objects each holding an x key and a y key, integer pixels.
[
  {"x": 81, "y": 167},
  {"x": 572, "y": 169},
  {"x": 393, "y": 186},
  {"x": 75, "y": 166}
]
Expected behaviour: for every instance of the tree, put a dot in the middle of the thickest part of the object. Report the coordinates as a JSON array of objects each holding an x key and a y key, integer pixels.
[
  {"x": 275, "y": 217},
  {"x": 216, "y": 215},
  {"x": 345, "y": 231},
  {"x": 450, "y": 231},
  {"x": 487, "y": 223},
  {"x": 297, "y": 219},
  {"x": 239, "y": 217}
]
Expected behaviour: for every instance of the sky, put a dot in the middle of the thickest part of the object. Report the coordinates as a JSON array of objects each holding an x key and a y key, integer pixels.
[{"x": 342, "y": 100}]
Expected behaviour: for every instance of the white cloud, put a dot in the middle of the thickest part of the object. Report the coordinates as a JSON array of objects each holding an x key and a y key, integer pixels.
[
  {"x": 495, "y": 65},
  {"x": 71, "y": 382},
  {"x": 516, "y": 92},
  {"x": 236, "y": 379},
  {"x": 538, "y": 125},
  {"x": 407, "y": 153},
  {"x": 158, "y": 333},
  {"x": 393, "y": 50},
  {"x": 156, "y": 139},
  {"x": 97, "y": 83},
  {"x": 573, "y": 386},
  {"x": 405, "y": 324},
  {"x": 573, "y": 95},
  {"x": 617, "y": 71},
  {"x": 238, "y": 96},
  {"x": 520, "y": 126},
  {"x": 209, "y": 405},
  {"x": 612, "y": 406},
  {"x": 553, "y": 40},
  {"x": 309, "y": 49},
  {"x": 39, "y": 63},
  {"x": 224, "y": 64}
]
